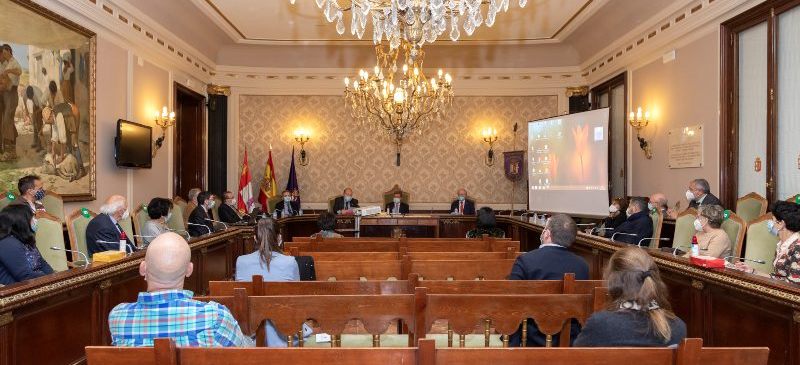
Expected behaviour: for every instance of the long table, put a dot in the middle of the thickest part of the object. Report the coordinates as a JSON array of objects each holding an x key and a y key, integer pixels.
[{"x": 49, "y": 320}]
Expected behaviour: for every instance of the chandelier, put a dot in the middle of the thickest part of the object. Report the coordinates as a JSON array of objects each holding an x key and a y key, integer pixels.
[
  {"x": 416, "y": 21},
  {"x": 398, "y": 101}
]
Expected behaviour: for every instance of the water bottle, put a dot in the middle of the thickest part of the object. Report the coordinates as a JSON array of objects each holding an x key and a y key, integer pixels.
[
  {"x": 123, "y": 242},
  {"x": 275, "y": 214},
  {"x": 301, "y": 212},
  {"x": 695, "y": 247}
]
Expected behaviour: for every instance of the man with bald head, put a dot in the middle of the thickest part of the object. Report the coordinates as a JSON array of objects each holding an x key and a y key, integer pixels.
[
  {"x": 659, "y": 201},
  {"x": 168, "y": 311},
  {"x": 462, "y": 205},
  {"x": 345, "y": 203},
  {"x": 104, "y": 232}
]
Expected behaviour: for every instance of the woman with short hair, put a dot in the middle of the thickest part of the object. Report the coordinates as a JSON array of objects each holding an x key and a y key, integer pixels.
[
  {"x": 19, "y": 258},
  {"x": 160, "y": 211},
  {"x": 486, "y": 224},
  {"x": 711, "y": 239},
  {"x": 786, "y": 226},
  {"x": 639, "y": 314}
]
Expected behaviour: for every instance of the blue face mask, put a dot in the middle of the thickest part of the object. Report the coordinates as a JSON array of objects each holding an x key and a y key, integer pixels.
[
  {"x": 771, "y": 226},
  {"x": 34, "y": 224},
  {"x": 39, "y": 195},
  {"x": 287, "y": 198}
]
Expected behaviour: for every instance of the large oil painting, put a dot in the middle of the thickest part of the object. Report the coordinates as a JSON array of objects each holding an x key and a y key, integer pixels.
[{"x": 47, "y": 111}]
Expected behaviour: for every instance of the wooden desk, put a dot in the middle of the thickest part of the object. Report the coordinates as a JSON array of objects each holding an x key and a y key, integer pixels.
[
  {"x": 394, "y": 226},
  {"x": 445, "y": 225}
]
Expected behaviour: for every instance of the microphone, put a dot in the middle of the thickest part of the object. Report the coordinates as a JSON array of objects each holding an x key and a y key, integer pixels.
[
  {"x": 85, "y": 258},
  {"x": 180, "y": 231},
  {"x": 651, "y": 239},
  {"x": 223, "y": 223},
  {"x": 620, "y": 233},
  {"x": 200, "y": 225},
  {"x": 743, "y": 259},
  {"x": 142, "y": 236},
  {"x": 127, "y": 247},
  {"x": 598, "y": 229},
  {"x": 586, "y": 224}
]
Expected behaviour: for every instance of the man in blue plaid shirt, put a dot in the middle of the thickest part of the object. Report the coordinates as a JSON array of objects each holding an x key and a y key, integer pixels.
[{"x": 168, "y": 311}]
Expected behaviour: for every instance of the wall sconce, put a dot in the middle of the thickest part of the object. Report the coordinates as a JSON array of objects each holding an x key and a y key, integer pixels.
[
  {"x": 301, "y": 136},
  {"x": 490, "y": 137},
  {"x": 164, "y": 120},
  {"x": 639, "y": 122}
]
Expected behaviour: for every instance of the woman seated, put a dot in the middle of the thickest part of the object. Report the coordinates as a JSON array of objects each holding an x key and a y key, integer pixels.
[
  {"x": 616, "y": 216},
  {"x": 19, "y": 258},
  {"x": 639, "y": 314},
  {"x": 269, "y": 262},
  {"x": 486, "y": 225},
  {"x": 785, "y": 225},
  {"x": 711, "y": 239},
  {"x": 159, "y": 210},
  {"x": 326, "y": 223}
]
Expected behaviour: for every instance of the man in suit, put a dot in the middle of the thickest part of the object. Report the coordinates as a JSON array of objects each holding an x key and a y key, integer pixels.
[
  {"x": 199, "y": 223},
  {"x": 638, "y": 226},
  {"x": 397, "y": 206},
  {"x": 345, "y": 202},
  {"x": 103, "y": 232},
  {"x": 699, "y": 194},
  {"x": 31, "y": 193},
  {"x": 228, "y": 212},
  {"x": 462, "y": 205},
  {"x": 550, "y": 262},
  {"x": 287, "y": 207}
]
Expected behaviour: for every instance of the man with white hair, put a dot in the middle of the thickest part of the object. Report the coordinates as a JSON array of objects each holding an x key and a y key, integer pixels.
[
  {"x": 168, "y": 311},
  {"x": 104, "y": 232}
]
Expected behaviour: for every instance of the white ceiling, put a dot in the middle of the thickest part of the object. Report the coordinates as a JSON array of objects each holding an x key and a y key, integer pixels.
[{"x": 276, "y": 22}]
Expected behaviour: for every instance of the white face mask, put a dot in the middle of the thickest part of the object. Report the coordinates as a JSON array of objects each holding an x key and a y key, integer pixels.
[
  {"x": 650, "y": 206},
  {"x": 210, "y": 204},
  {"x": 698, "y": 226},
  {"x": 689, "y": 195},
  {"x": 629, "y": 212},
  {"x": 169, "y": 215},
  {"x": 396, "y": 200},
  {"x": 613, "y": 208},
  {"x": 125, "y": 215},
  {"x": 232, "y": 202}
]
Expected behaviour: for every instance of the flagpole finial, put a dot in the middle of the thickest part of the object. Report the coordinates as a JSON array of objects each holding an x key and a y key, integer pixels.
[{"x": 270, "y": 146}]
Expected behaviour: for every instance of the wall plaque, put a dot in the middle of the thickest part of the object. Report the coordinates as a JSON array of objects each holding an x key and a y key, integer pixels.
[{"x": 686, "y": 147}]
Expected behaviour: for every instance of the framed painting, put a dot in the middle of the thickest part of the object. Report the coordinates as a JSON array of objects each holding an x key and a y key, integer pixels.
[{"x": 47, "y": 103}]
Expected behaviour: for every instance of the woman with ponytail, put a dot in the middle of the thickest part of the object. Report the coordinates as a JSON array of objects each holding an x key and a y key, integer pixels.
[{"x": 639, "y": 314}]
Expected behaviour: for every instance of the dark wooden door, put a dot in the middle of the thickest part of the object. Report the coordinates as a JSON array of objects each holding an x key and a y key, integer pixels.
[{"x": 190, "y": 140}]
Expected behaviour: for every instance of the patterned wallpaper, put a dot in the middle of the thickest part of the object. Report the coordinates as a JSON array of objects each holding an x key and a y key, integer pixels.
[{"x": 433, "y": 165}]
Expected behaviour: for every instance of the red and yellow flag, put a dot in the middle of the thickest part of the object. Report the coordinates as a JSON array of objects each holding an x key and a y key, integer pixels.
[
  {"x": 245, "y": 202},
  {"x": 269, "y": 187}
]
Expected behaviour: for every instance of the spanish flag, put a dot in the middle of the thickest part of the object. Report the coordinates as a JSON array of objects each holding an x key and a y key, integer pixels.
[
  {"x": 269, "y": 187},
  {"x": 245, "y": 202}
]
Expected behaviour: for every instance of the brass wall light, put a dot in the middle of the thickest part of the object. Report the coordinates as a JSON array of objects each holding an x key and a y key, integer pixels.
[
  {"x": 640, "y": 121},
  {"x": 490, "y": 137},
  {"x": 301, "y": 136}
]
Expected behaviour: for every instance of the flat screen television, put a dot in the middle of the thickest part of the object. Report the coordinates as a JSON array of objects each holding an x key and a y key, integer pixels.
[{"x": 133, "y": 146}]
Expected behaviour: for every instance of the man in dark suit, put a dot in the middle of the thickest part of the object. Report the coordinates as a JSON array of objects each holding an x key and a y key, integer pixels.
[
  {"x": 345, "y": 202},
  {"x": 550, "y": 262},
  {"x": 397, "y": 206},
  {"x": 287, "y": 207},
  {"x": 103, "y": 232},
  {"x": 31, "y": 193},
  {"x": 638, "y": 226},
  {"x": 228, "y": 212},
  {"x": 699, "y": 194},
  {"x": 199, "y": 223},
  {"x": 462, "y": 205}
]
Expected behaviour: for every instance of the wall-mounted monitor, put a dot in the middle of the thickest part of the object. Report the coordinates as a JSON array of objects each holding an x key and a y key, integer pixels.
[{"x": 133, "y": 145}]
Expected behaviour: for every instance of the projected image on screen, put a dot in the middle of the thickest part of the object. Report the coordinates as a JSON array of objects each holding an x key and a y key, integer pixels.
[{"x": 568, "y": 163}]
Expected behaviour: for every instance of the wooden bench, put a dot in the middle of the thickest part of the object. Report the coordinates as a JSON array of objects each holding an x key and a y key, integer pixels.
[
  {"x": 401, "y": 239},
  {"x": 386, "y": 256},
  {"x": 443, "y": 245},
  {"x": 164, "y": 352},
  {"x": 459, "y": 269}
]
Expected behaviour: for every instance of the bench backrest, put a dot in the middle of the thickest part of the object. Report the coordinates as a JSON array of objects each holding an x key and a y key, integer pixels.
[
  {"x": 459, "y": 269},
  {"x": 356, "y": 270},
  {"x": 386, "y": 256},
  {"x": 443, "y": 245}
]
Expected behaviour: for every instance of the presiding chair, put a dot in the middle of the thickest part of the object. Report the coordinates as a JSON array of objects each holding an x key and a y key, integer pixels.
[
  {"x": 389, "y": 195},
  {"x": 76, "y": 226},
  {"x": 49, "y": 233},
  {"x": 140, "y": 218},
  {"x": 54, "y": 204},
  {"x": 735, "y": 227},
  {"x": 751, "y": 206},
  {"x": 761, "y": 244},
  {"x": 684, "y": 230}
]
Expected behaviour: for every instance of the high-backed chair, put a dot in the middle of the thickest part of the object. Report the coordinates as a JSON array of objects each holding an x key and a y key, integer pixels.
[
  {"x": 271, "y": 202},
  {"x": 49, "y": 233},
  {"x": 215, "y": 209},
  {"x": 176, "y": 221},
  {"x": 760, "y": 244},
  {"x": 735, "y": 227},
  {"x": 54, "y": 204},
  {"x": 331, "y": 201},
  {"x": 7, "y": 198},
  {"x": 389, "y": 195},
  {"x": 127, "y": 226},
  {"x": 658, "y": 221},
  {"x": 684, "y": 230},
  {"x": 76, "y": 226},
  {"x": 140, "y": 217},
  {"x": 751, "y": 206},
  {"x": 794, "y": 199},
  {"x": 180, "y": 204}
]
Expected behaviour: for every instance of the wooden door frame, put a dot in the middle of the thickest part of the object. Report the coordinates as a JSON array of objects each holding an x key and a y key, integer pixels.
[
  {"x": 178, "y": 88},
  {"x": 607, "y": 86}
]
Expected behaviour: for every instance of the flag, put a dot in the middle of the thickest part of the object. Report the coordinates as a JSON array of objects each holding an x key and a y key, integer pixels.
[
  {"x": 291, "y": 184},
  {"x": 269, "y": 187},
  {"x": 245, "y": 201}
]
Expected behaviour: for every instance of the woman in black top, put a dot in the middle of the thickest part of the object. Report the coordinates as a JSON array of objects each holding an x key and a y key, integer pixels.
[
  {"x": 19, "y": 258},
  {"x": 486, "y": 224},
  {"x": 639, "y": 314}
]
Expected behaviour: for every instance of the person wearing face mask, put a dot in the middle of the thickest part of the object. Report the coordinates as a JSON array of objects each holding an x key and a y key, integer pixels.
[
  {"x": 159, "y": 210},
  {"x": 462, "y": 205},
  {"x": 397, "y": 206},
  {"x": 550, "y": 261},
  {"x": 229, "y": 212},
  {"x": 615, "y": 218},
  {"x": 786, "y": 226},
  {"x": 287, "y": 207},
  {"x": 199, "y": 221},
  {"x": 103, "y": 232},
  {"x": 31, "y": 193},
  {"x": 711, "y": 239},
  {"x": 638, "y": 226},
  {"x": 699, "y": 194},
  {"x": 659, "y": 201},
  {"x": 19, "y": 258},
  {"x": 345, "y": 203}
]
